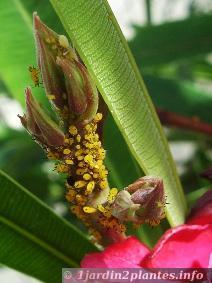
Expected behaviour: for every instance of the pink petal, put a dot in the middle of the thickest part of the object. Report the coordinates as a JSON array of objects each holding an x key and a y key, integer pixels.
[
  {"x": 210, "y": 261},
  {"x": 185, "y": 246},
  {"x": 125, "y": 254}
]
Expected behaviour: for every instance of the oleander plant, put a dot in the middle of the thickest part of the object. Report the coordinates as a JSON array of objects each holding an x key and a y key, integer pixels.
[{"x": 88, "y": 179}]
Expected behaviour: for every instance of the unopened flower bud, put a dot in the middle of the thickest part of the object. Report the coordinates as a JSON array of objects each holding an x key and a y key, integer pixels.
[
  {"x": 66, "y": 80},
  {"x": 142, "y": 202},
  {"x": 47, "y": 50},
  {"x": 123, "y": 207},
  {"x": 81, "y": 92},
  {"x": 39, "y": 124}
]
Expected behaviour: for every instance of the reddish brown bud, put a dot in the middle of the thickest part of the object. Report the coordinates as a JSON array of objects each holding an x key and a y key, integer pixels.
[
  {"x": 81, "y": 92},
  {"x": 39, "y": 124},
  {"x": 46, "y": 45},
  {"x": 142, "y": 202},
  {"x": 66, "y": 81}
]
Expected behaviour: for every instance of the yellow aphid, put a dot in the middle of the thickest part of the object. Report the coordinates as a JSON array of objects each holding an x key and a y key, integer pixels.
[
  {"x": 101, "y": 208},
  {"x": 89, "y": 209},
  {"x": 94, "y": 128},
  {"x": 86, "y": 151},
  {"x": 70, "y": 195},
  {"x": 112, "y": 194},
  {"x": 71, "y": 141},
  {"x": 78, "y": 152},
  {"x": 52, "y": 155},
  {"x": 63, "y": 41},
  {"x": 51, "y": 96},
  {"x": 159, "y": 204},
  {"x": 96, "y": 175},
  {"x": 73, "y": 130},
  {"x": 81, "y": 171},
  {"x": 96, "y": 137},
  {"x": 89, "y": 145},
  {"x": 100, "y": 163},
  {"x": 78, "y": 138},
  {"x": 80, "y": 199},
  {"x": 101, "y": 152},
  {"x": 75, "y": 209},
  {"x": 88, "y": 158},
  {"x": 67, "y": 141},
  {"x": 87, "y": 177},
  {"x": 81, "y": 164},
  {"x": 152, "y": 222},
  {"x": 104, "y": 210},
  {"x": 89, "y": 137},
  {"x": 103, "y": 184},
  {"x": 88, "y": 128},
  {"x": 34, "y": 75},
  {"x": 61, "y": 168},
  {"x": 69, "y": 162},
  {"x": 103, "y": 173},
  {"x": 66, "y": 151},
  {"x": 98, "y": 117},
  {"x": 90, "y": 187},
  {"x": 81, "y": 157},
  {"x": 79, "y": 184}
]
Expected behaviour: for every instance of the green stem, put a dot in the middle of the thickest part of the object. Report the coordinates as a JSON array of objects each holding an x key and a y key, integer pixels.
[{"x": 148, "y": 12}]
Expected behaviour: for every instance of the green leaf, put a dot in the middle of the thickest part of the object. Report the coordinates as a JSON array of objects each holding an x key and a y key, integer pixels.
[
  {"x": 182, "y": 97},
  {"x": 123, "y": 169},
  {"x": 98, "y": 39},
  {"x": 33, "y": 239},
  {"x": 163, "y": 43},
  {"x": 46, "y": 11},
  {"x": 148, "y": 4},
  {"x": 149, "y": 235},
  {"x": 193, "y": 197},
  {"x": 17, "y": 47}
]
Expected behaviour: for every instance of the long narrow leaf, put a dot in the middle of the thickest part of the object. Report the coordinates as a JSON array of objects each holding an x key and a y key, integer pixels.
[
  {"x": 182, "y": 97},
  {"x": 33, "y": 239},
  {"x": 16, "y": 51},
  {"x": 123, "y": 168},
  {"x": 98, "y": 39},
  {"x": 17, "y": 44},
  {"x": 167, "y": 42}
]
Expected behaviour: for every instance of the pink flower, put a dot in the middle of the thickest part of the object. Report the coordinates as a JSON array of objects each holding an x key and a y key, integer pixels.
[{"x": 185, "y": 246}]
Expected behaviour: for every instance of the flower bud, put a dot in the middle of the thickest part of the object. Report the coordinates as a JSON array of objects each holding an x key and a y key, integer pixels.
[
  {"x": 123, "y": 208},
  {"x": 46, "y": 45},
  {"x": 66, "y": 80},
  {"x": 39, "y": 124},
  {"x": 142, "y": 202},
  {"x": 81, "y": 92}
]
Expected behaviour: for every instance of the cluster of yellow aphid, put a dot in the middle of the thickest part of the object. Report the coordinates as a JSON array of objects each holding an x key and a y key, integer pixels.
[
  {"x": 82, "y": 158},
  {"x": 80, "y": 154}
]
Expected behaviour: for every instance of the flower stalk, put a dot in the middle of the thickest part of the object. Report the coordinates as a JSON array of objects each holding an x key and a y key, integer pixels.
[{"x": 76, "y": 147}]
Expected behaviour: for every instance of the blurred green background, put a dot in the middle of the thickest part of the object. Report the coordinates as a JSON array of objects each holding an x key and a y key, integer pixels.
[{"x": 175, "y": 59}]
